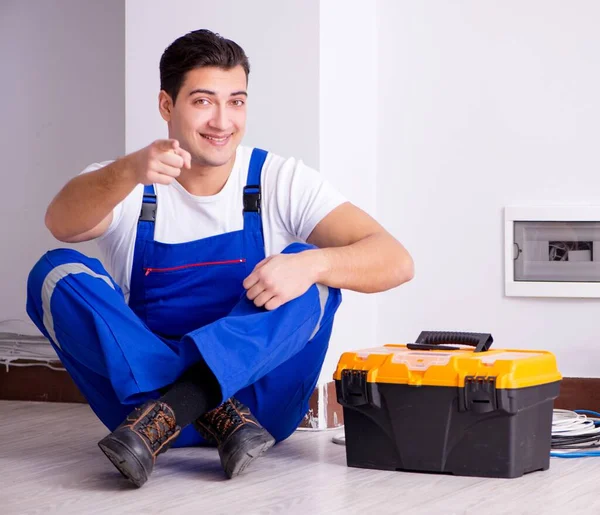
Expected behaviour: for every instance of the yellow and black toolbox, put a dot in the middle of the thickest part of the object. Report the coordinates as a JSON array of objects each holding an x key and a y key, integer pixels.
[{"x": 434, "y": 407}]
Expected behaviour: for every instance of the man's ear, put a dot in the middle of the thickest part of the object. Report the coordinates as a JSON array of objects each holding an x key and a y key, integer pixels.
[{"x": 165, "y": 105}]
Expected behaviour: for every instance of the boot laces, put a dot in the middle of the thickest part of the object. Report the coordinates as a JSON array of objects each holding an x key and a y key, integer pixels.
[
  {"x": 158, "y": 427},
  {"x": 227, "y": 418}
]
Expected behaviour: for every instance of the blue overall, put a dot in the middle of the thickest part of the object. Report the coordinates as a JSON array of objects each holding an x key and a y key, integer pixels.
[{"x": 186, "y": 304}]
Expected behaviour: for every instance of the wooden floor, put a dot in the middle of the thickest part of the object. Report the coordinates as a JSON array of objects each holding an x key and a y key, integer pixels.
[{"x": 50, "y": 463}]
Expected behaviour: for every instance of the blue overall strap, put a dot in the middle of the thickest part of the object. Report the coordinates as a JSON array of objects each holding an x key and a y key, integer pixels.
[
  {"x": 147, "y": 214},
  {"x": 253, "y": 231},
  {"x": 145, "y": 233}
]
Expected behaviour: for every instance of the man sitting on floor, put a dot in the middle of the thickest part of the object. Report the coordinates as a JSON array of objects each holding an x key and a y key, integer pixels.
[{"x": 226, "y": 265}]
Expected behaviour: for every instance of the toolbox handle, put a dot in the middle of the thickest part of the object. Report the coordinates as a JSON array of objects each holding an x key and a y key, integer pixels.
[{"x": 431, "y": 340}]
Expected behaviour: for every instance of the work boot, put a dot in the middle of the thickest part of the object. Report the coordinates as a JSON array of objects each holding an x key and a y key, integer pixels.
[
  {"x": 146, "y": 432},
  {"x": 239, "y": 436}
]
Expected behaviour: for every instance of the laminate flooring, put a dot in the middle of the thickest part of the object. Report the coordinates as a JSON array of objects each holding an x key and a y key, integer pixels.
[{"x": 50, "y": 463}]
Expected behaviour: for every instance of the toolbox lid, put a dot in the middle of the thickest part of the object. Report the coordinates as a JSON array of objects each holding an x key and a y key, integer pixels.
[{"x": 399, "y": 364}]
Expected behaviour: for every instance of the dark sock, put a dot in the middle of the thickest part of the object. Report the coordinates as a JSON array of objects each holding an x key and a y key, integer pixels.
[{"x": 195, "y": 393}]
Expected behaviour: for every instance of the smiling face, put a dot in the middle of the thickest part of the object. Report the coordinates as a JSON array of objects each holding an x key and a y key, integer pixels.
[{"x": 208, "y": 116}]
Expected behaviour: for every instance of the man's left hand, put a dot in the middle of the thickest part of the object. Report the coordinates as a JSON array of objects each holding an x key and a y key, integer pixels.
[{"x": 281, "y": 278}]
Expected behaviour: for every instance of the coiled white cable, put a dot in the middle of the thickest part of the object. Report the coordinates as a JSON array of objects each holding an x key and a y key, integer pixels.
[{"x": 567, "y": 423}]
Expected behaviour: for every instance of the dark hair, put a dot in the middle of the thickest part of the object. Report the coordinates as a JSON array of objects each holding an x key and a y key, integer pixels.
[{"x": 195, "y": 50}]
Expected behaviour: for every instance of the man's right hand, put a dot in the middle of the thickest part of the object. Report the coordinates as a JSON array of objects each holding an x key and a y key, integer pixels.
[
  {"x": 83, "y": 209},
  {"x": 160, "y": 162}
]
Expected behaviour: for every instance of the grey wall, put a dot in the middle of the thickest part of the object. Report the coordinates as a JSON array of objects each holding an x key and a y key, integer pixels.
[{"x": 63, "y": 106}]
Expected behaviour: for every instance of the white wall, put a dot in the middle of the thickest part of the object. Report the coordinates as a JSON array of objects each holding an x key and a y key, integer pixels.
[
  {"x": 281, "y": 40},
  {"x": 348, "y": 143},
  {"x": 483, "y": 105},
  {"x": 63, "y": 108}
]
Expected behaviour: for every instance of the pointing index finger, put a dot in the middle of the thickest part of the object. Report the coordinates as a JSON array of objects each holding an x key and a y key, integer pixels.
[{"x": 187, "y": 158}]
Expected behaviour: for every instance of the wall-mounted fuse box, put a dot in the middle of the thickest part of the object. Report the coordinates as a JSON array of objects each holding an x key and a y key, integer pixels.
[{"x": 552, "y": 251}]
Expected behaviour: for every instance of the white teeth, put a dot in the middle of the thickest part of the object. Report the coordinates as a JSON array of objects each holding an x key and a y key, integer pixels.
[{"x": 215, "y": 139}]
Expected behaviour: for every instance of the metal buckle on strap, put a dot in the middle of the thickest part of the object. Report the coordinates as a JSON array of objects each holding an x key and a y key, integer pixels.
[
  {"x": 148, "y": 212},
  {"x": 252, "y": 199}
]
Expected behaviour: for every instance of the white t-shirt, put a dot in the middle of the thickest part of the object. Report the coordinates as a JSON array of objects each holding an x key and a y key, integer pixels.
[{"x": 295, "y": 198}]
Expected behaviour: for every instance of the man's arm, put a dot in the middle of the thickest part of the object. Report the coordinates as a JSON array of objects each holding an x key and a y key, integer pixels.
[
  {"x": 354, "y": 253},
  {"x": 357, "y": 253},
  {"x": 83, "y": 209}
]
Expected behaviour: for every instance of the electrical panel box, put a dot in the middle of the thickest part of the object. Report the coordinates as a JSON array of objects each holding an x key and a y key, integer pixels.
[{"x": 552, "y": 251}]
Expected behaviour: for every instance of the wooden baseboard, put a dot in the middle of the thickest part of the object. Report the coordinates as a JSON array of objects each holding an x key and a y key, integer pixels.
[
  {"x": 579, "y": 393},
  {"x": 39, "y": 383}
]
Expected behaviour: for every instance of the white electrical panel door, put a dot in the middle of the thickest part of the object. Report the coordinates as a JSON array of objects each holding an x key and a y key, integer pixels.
[{"x": 552, "y": 251}]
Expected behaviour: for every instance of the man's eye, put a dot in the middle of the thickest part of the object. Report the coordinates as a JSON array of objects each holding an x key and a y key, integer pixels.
[
  {"x": 201, "y": 101},
  {"x": 237, "y": 103}
]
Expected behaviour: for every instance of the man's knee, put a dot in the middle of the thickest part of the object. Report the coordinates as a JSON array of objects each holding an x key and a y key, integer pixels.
[
  {"x": 47, "y": 263},
  {"x": 58, "y": 264},
  {"x": 57, "y": 257}
]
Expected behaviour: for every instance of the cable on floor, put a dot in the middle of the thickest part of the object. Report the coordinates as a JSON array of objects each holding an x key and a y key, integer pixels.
[
  {"x": 575, "y": 434},
  {"x": 21, "y": 348}
]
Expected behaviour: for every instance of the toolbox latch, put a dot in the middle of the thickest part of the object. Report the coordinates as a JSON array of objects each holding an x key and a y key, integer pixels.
[
  {"x": 479, "y": 394},
  {"x": 356, "y": 391}
]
